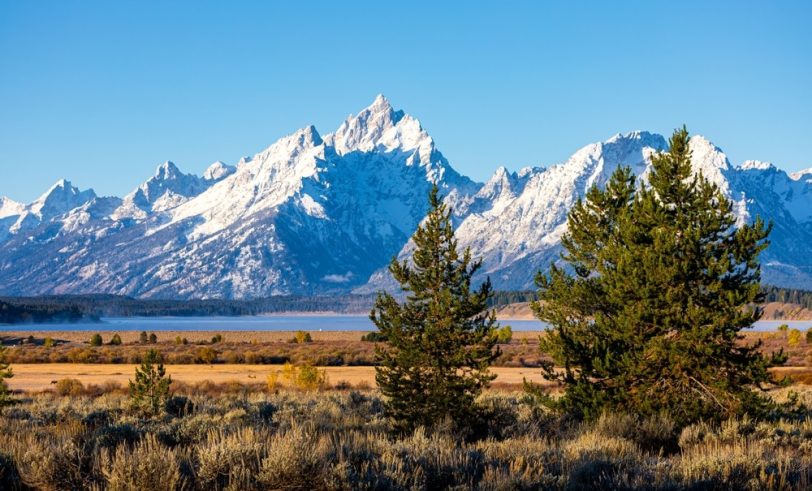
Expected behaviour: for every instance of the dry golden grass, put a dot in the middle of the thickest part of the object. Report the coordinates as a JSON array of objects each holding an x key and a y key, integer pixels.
[{"x": 42, "y": 376}]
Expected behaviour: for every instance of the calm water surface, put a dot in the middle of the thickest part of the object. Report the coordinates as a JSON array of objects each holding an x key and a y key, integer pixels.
[{"x": 275, "y": 323}]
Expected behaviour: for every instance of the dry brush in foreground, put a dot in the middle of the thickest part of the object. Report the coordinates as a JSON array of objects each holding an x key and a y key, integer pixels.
[{"x": 341, "y": 440}]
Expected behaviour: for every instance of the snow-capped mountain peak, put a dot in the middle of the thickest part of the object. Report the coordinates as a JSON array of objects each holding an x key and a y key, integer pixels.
[
  {"x": 166, "y": 171},
  {"x": 377, "y": 125},
  {"x": 60, "y": 198},
  {"x": 802, "y": 174},
  {"x": 218, "y": 171},
  {"x": 312, "y": 214},
  {"x": 9, "y": 207}
]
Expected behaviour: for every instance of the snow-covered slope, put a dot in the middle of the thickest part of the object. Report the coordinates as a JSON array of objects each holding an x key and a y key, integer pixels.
[
  {"x": 308, "y": 214},
  {"x": 62, "y": 197},
  {"x": 322, "y": 214}
]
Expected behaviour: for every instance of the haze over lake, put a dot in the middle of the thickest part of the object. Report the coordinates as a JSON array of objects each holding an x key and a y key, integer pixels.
[{"x": 275, "y": 323}]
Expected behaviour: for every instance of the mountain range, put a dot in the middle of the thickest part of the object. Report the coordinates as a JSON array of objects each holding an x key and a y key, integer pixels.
[{"x": 323, "y": 214}]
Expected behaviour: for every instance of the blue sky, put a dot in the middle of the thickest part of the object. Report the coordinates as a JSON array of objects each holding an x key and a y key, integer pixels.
[{"x": 102, "y": 92}]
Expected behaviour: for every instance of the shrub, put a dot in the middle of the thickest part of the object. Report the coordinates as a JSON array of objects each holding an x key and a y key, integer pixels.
[
  {"x": 374, "y": 337},
  {"x": 301, "y": 337},
  {"x": 51, "y": 463},
  {"x": 794, "y": 338},
  {"x": 504, "y": 334},
  {"x": 178, "y": 340},
  {"x": 292, "y": 461},
  {"x": 205, "y": 355},
  {"x": 150, "y": 465},
  {"x": 232, "y": 357},
  {"x": 96, "y": 340},
  {"x": 83, "y": 355},
  {"x": 217, "y": 338},
  {"x": 311, "y": 378},
  {"x": 48, "y": 342},
  {"x": 179, "y": 406},
  {"x": 230, "y": 460},
  {"x": 153, "y": 338},
  {"x": 5, "y": 373},
  {"x": 143, "y": 338},
  {"x": 305, "y": 377},
  {"x": 115, "y": 340},
  {"x": 69, "y": 387},
  {"x": 809, "y": 336}
]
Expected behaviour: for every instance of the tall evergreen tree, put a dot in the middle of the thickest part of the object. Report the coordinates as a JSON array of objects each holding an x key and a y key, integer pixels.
[
  {"x": 150, "y": 390},
  {"x": 441, "y": 340},
  {"x": 5, "y": 372},
  {"x": 661, "y": 286}
]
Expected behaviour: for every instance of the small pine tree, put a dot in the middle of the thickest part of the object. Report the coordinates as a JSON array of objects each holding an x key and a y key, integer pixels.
[
  {"x": 5, "y": 373},
  {"x": 96, "y": 340},
  {"x": 649, "y": 318},
  {"x": 150, "y": 390},
  {"x": 441, "y": 340},
  {"x": 115, "y": 340},
  {"x": 153, "y": 338},
  {"x": 143, "y": 338}
]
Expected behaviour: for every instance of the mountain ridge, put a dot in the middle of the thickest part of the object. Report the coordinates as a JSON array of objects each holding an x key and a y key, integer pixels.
[{"x": 313, "y": 214}]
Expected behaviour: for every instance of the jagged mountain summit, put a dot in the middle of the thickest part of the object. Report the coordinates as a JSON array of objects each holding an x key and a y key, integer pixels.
[{"x": 325, "y": 214}]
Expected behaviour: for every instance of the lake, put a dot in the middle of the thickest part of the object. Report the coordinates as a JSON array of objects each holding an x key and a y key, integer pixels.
[{"x": 275, "y": 323}]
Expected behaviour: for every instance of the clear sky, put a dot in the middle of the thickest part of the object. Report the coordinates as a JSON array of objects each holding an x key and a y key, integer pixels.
[{"x": 102, "y": 92}]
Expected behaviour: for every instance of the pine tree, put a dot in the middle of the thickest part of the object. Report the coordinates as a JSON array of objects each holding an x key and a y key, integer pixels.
[
  {"x": 440, "y": 341},
  {"x": 5, "y": 372},
  {"x": 150, "y": 390},
  {"x": 662, "y": 280}
]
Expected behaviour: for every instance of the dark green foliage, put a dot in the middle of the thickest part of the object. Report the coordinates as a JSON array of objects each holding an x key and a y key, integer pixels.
[
  {"x": 143, "y": 338},
  {"x": 441, "y": 340},
  {"x": 373, "y": 337},
  {"x": 150, "y": 390},
  {"x": 115, "y": 340},
  {"x": 72, "y": 308},
  {"x": 809, "y": 336},
  {"x": 153, "y": 338},
  {"x": 217, "y": 338},
  {"x": 650, "y": 320},
  {"x": 96, "y": 340},
  {"x": 5, "y": 372},
  {"x": 12, "y": 313}
]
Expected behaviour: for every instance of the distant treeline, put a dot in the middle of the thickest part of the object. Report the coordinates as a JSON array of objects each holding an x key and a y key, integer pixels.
[
  {"x": 500, "y": 298},
  {"x": 788, "y": 295},
  {"x": 73, "y": 308},
  {"x": 14, "y": 313},
  {"x": 95, "y": 306}
]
